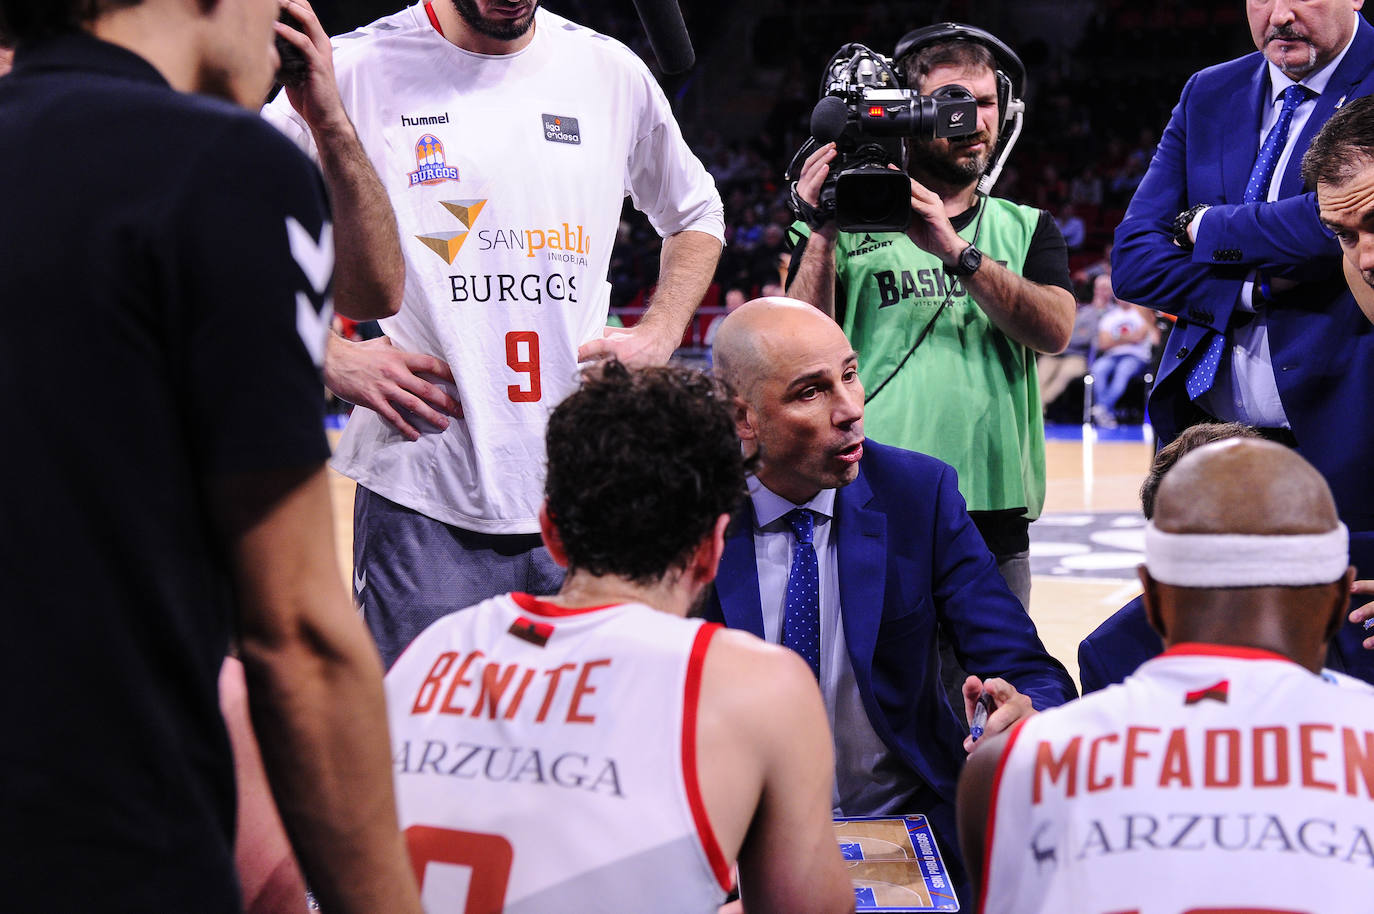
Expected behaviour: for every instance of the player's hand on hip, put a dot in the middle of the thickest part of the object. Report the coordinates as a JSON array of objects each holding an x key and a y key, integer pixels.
[
  {"x": 397, "y": 385},
  {"x": 639, "y": 346},
  {"x": 1009, "y": 706},
  {"x": 317, "y": 99},
  {"x": 1365, "y": 613}
]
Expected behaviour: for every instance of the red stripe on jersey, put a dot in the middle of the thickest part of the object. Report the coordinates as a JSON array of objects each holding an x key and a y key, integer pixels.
[
  {"x": 691, "y": 693},
  {"x": 992, "y": 813},
  {"x": 1218, "y": 692},
  {"x": 536, "y": 633},
  {"x": 1235, "y": 652},
  {"x": 433, "y": 19},
  {"x": 542, "y": 608}
]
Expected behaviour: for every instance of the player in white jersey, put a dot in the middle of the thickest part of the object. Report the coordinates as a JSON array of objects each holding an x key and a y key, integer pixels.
[
  {"x": 1228, "y": 774},
  {"x": 594, "y": 750},
  {"x": 507, "y": 139}
]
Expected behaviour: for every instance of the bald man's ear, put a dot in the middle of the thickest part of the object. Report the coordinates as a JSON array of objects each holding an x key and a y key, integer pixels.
[
  {"x": 1150, "y": 595},
  {"x": 746, "y": 420},
  {"x": 1342, "y": 601}
]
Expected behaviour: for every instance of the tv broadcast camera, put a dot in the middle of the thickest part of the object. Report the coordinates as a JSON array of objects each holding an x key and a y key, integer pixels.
[{"x": 865, "y": 111}]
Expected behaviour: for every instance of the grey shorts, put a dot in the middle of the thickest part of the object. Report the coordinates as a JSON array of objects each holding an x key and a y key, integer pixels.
[{"x": 409, "y": 569}]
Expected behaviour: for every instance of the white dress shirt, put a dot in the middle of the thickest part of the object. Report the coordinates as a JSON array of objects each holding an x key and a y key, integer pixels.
[
  {"x": 1245, "y": 389},
  {"x": 869, "y": 779}
]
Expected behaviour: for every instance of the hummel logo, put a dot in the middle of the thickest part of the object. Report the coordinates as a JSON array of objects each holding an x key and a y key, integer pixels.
[
  {"x": 424, "y": 120},
  {"x": 359, "y": 580},
  {"x": 317, "y": 263}
]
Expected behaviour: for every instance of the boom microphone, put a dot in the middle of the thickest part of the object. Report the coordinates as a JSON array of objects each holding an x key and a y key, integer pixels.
[
  {"x": 828, "y": 119},
  {"x": 662, "y": 21}
]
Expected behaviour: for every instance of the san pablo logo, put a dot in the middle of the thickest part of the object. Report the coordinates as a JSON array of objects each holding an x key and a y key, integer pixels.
[{"x": 448, "y": 244}]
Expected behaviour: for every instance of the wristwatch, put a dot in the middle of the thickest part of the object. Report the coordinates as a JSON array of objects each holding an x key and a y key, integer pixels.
[
  {"x": 815, "y": 217},
  {"x": 970, "y": 259},
  {"x": 1181, "y": 223}
]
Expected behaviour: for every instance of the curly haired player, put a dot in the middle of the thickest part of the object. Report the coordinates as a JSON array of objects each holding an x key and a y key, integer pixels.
[{"x": 594, "y": 750}]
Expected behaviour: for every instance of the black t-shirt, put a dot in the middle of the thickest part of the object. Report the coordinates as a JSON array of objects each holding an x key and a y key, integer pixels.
[{"x": 163, "y": 280}]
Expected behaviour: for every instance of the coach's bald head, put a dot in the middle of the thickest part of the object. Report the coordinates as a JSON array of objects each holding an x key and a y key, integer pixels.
[
  {"x": 1258, "y": 488},
  {"x": 759, "y": 334},
  {"x": 799, "y": 400}
]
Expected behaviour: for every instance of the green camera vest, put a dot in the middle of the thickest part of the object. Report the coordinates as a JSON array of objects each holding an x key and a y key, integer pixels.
[{"x": 969, "y": 395}]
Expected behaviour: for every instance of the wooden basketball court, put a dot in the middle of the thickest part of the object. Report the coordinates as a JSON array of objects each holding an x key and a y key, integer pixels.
[
  {"x": 1097, "y": 480},
  {"x": 1103, "y": 477}
]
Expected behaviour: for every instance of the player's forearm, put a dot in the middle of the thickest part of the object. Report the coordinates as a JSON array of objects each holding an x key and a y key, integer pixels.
[
  {"x": 369, "y": 270},
  {"x": 317, "y": 706},
  {"x": 343, "y": 369},
  {"x": 314, "y": 690},
  {"x": 1034, "y": 315},
  {"x": 685, "y": 270},
  {"x": 814, "y": 280}
]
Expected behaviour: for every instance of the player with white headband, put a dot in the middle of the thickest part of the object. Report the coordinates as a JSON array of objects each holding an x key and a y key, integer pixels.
[
  {"x": 1245, "y": 559},
  {"x": 1230, "y": 773}
]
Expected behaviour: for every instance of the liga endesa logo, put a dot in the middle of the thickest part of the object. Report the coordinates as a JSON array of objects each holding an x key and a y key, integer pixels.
[{"x": 559, "y": 128}]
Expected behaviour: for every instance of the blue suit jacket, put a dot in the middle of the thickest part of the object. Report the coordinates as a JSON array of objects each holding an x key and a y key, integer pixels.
[
  {"x": 1118, "y": 646},
  {"x": 1321, "y": 345},
  {"x": 910, "y": 559}
]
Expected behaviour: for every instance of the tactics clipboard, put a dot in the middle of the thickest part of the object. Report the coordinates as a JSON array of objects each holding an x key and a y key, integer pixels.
[{"x": 895, "y": 864}]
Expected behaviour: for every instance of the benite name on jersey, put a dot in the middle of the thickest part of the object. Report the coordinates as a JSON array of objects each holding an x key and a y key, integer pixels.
[
  {"x": 504, "y": 689},
  {"x": 513, "y": 764},
  {"x": 1315, "y": 756}
]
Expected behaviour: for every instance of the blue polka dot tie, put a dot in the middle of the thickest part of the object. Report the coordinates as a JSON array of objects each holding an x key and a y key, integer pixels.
[
  {"x": 801, "y": 620},
  {"x": 1204, "y": 373}
]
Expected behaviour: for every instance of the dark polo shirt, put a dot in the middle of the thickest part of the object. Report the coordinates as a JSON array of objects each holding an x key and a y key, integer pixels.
[{"x": 160, "y": 331}]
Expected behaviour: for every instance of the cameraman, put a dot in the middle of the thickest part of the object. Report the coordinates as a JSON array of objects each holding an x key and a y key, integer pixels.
[{"x": 960, "y": 386}]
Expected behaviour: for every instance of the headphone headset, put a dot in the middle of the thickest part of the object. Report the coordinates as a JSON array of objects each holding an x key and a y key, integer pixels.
[{"x": 1011, "y": 82}]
